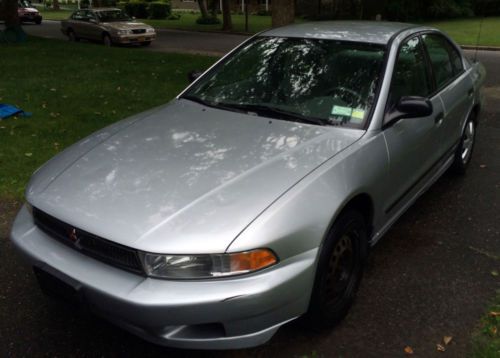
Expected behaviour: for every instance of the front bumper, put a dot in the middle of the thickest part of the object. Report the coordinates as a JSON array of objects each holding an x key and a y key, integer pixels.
[
  {"x": 131, "y": 39},
  {"x": 226, "y": 313},
  {"x": 30, "y": 17}
]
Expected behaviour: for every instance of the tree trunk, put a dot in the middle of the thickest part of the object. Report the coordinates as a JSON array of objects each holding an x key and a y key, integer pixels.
[
  {"x": 283, "y": 12},
  {"x": 227, "y": 23},
  {"x": 203, "y": 8},
  {"x": 9, "y": 13},
  {"x": 55, "y": 5}
]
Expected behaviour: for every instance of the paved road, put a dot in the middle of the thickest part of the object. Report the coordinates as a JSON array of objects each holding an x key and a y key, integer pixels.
[
  {"x": 429, "y": 277},
  {"x": 167, "y": 40}
]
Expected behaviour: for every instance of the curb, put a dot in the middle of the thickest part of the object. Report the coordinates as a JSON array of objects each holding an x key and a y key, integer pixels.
[{"x": 480, "y": 48}]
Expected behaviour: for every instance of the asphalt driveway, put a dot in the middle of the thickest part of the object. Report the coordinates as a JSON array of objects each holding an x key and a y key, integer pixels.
[
  {"x": 429, "y": 277},
  {"x": 207, "y": 43}
]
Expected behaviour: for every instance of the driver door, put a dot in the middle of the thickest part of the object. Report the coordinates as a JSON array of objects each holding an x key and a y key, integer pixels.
[{"x": 412, "y": 143}]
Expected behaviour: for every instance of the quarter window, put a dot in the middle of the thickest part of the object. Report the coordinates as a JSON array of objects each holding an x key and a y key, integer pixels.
[
  {"x": 410, "y": 76},
  {"x": 445, "y": 60}
]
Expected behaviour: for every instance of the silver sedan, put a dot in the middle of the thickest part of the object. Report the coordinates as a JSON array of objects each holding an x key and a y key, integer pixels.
[{"x": 253, "y": 197}]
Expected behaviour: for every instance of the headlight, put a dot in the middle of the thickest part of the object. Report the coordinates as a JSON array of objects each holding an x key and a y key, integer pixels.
[
  {"x": 207, "y": 266},
  {"x": 151, "y": 30},
  {"x": 123, "y": 32}
]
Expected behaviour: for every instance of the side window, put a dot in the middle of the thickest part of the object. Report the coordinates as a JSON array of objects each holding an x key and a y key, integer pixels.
[
  {"x": 77, "y": 16},
  {"x": 410, "y": 77},
  {"x": 445, "y": 60}
]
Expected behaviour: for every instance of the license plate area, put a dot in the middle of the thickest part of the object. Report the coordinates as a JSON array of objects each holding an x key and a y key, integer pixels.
[{"x": 56, "y": 288}]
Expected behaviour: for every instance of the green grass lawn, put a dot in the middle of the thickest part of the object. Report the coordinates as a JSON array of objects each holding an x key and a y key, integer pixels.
[
  {"x": 465, "y": 31},
  {"x": 486, "y": 340},
  {"x": 73, "y": 89}
]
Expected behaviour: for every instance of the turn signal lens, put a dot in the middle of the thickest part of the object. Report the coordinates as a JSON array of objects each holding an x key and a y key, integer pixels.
[{"x": 252, "y": 260}]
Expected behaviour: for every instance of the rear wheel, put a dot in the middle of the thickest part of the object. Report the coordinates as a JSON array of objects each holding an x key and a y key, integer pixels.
[
  {"x": 106, "y": 40},
  {"x": 463, "y": 153},
  {"x": 72, "y": 36},
  {"x": 339, "y": 272}
]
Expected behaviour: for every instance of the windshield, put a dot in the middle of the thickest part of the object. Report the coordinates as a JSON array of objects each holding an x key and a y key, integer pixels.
[
  {"x": 112, "y": 15},
  {"x": 24, "y": 3},
  {"x": 319, "y": 81}
]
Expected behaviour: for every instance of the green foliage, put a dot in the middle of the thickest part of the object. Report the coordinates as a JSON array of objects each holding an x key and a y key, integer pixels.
[
  {"x": 105, "y": 3},
  {"x": 487, "y": 7},
  {"x": 174, "y": 16},
  {"x": 211, "y": 20},
  {"x": 159, "y": 10},
  {"x": 486, "y": 339},
  {"x": 138, "y": 9},
  {"x": 411, "y": 10}
]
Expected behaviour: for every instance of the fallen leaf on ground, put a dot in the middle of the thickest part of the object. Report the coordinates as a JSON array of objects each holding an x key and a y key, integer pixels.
[
  {"x": 408, "y": 350},
  {"x": 28, "y": 154},
  {"x": 447, "y": 339},
  {"x": 494, "y": 273},
  {"x": 493, "y": 330},
  {"x": 440, "y": 347},
  {"x": 482, "y": 166},
  {"x": 494, "y": 314}
]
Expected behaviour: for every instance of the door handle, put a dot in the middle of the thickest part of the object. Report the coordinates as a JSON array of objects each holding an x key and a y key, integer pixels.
[{"x": 439, "y": 118}]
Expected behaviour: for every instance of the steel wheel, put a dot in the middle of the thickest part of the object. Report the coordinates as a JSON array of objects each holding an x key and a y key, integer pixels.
[
  {"x": 465, "y": 148},
  {"x": 106, "y": 40},
  {"x": 339, "y": 272},
  {"x": 468, "y": 142}
]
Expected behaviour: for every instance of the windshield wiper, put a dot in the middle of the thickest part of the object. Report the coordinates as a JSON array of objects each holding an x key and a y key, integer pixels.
[
  {"x": 274, "y": 112},
  {"x": 259, "y": 109},
  {"x": 218, "y": 105}
]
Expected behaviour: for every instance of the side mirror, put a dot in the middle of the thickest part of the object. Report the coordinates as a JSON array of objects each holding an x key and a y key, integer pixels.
[
  {"x": 409, "y": 107},
  {"x": 193, "y": 75}
]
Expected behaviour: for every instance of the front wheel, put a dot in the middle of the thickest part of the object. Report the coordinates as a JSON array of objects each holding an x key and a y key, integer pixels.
[
  {"x": 339, "y": 272},
  {"x": 106, "y": 40},
  {"x": 38, "y": 21},
  {"x": 72, "y": 36},
  {"x": 463, "y": 154}
]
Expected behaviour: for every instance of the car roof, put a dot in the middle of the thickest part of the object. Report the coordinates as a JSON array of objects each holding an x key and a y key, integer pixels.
[{"x": 377, "y": 32}]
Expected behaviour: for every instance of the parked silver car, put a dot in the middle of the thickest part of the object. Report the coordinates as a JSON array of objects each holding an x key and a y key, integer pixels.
[
  {"x": 109, "y": 25},
  {"x": 253, "y": 197}
]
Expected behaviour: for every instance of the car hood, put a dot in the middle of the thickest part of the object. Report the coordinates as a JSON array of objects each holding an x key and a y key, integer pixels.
[
  {"x": 28, "y": 10},
  {"x": 183, "y": 178},
  {"x": 126, "y": 25}
]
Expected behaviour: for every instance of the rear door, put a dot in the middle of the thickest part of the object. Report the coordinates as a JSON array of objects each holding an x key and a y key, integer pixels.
[
  {"x": 412, "y": 143},
  {"x": 453, "y": 85}
]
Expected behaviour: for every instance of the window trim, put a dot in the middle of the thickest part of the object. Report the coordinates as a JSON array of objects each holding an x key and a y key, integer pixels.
[
  {"x": 429, "y": 74},
  {"x": 437, "y": 89}
]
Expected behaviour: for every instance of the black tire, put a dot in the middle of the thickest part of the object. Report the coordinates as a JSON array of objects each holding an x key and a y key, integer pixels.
[
  {"x": 339, "y": 271},
  {"x": 72, "y": 36},
  {"x": 106, "y": 40},
  {"x": 463, "y": 154},
  {"x": 146, "y": 43},
  {"x": 38, "y": 22}
]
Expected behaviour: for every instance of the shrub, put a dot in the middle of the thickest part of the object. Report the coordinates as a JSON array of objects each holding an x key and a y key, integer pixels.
[
  {"x": 263, "y": 13},
  {"x": 138, "y": 9},
  {"x": 158, "y": 10},
  {"x": 174, "y": 16},
  {"x": 211, "y": 20}
]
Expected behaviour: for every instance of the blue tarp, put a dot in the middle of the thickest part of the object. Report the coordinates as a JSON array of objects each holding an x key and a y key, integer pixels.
[{"x": 7, "y": 110}]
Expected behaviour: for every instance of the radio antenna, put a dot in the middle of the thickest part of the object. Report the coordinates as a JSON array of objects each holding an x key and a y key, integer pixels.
[{"x": 478, "y": 36}]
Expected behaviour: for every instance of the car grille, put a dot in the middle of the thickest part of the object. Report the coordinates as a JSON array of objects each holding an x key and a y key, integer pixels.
[
  {"x": 88, "y": 244},
  {"x": 139, "y": 31}
]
